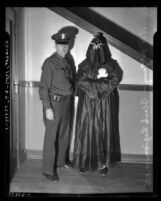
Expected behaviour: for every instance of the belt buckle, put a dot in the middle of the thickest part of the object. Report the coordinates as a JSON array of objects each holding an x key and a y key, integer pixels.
[
  {"x": 54, "y": 97},
  {"x": 58, "y": 98}
]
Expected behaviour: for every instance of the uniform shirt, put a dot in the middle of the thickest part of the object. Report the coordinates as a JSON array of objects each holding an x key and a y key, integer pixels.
[{"x": 56, "y": 78}]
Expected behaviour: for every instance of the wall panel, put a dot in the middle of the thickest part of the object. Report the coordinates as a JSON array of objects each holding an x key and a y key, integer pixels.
[{"x": 135, "y": 121}]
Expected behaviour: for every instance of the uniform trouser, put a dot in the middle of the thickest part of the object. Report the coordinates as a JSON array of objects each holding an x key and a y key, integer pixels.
[
  {"x": 56, "y": 136},
  {"x": 72, "y": 109}
]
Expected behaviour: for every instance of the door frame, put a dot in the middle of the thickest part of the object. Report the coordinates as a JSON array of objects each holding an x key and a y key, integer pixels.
[{"x": 14, "y": 155}]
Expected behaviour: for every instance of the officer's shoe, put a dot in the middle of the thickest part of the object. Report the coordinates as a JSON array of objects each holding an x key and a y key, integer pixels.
[
  {"x": 53, "y": 177},
  {"x": 68, "y": 165}
]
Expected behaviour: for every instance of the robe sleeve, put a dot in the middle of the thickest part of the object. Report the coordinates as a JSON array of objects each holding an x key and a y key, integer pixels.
[
  {"x": 88, "y": 85},
  {"x": 45, "y": 82},
  {"x": 106, "y": 85}
]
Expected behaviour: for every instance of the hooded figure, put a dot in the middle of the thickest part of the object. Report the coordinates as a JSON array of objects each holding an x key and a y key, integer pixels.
[{"x": 97, "y": 139}]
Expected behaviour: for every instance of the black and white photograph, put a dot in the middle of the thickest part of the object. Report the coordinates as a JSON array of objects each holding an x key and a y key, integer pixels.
[{"x": 79, "y": 100}]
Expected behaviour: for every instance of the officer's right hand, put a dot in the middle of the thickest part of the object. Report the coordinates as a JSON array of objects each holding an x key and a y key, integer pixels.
[{"x": 50, "y": 114}]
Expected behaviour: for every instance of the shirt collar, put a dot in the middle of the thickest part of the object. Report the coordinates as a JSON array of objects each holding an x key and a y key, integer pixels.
[
  {"x": 59, "y": 57},
  {"x": 62, "y": 60}
]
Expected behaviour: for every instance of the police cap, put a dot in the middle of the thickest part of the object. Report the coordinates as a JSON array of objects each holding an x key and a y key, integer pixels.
[
  {"x": 65, "y": 34},
  {"x": 60, "y": 38}
]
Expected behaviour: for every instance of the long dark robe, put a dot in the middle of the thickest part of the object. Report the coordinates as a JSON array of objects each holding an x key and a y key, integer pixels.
[{"x": 97, "y": 139}]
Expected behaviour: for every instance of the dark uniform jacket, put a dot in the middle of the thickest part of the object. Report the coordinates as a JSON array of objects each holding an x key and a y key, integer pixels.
[{"x": 58, "y": 75}]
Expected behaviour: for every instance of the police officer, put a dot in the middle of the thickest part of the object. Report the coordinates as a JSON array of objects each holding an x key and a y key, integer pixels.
[{"x": 56, "y": 92}]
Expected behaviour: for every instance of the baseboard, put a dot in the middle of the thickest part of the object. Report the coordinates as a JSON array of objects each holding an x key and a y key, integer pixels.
[
  {"x": 22, "y": 155},
  {"x": 136, "y": 158},
  {"x": 34, "y": 154},
  {"x": 125, "y": 158}
]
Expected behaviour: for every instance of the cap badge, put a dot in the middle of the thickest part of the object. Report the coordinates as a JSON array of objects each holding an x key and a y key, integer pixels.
[
  {"x": 96, "y": 46},
  {"x": 63, "y": 36}
]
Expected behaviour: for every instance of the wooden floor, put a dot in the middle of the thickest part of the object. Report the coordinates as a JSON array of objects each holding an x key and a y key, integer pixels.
[{"x": 125, "y": 178}]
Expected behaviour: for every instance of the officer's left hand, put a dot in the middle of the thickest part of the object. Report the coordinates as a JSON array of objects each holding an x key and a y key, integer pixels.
[{"x": 50, "y": 114}]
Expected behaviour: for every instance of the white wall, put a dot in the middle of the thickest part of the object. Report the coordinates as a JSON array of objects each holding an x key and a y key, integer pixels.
[
  {"x": 141, "y": 21},
  {"x": 135, "y": 120},
  {"x": 40, "y": 24}
]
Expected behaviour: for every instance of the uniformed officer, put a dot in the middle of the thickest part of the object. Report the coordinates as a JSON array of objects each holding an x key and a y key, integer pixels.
[{"x": 56, "y": 92}]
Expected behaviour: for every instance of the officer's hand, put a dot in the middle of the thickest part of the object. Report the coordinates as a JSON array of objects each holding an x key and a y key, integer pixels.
[{"x": 50, "y": 114}]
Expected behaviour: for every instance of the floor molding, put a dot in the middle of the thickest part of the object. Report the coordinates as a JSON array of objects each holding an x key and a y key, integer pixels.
[{"x": 126, "y": 158}]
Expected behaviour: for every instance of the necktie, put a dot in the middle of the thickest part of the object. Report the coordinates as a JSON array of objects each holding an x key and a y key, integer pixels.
[{"x": 68, "y": 71}]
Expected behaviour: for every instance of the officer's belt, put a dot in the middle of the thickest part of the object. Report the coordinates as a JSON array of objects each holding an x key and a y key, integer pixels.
[{"x": 57, "y": 97}]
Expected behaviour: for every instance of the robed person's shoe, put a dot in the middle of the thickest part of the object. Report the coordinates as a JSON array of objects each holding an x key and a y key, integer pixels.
[
  {"x": 103, "y": 171},
  {"x": 68, "y": 165}
]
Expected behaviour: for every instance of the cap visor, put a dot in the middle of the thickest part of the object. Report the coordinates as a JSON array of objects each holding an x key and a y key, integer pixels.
[{"x": 62, "y": 42}]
